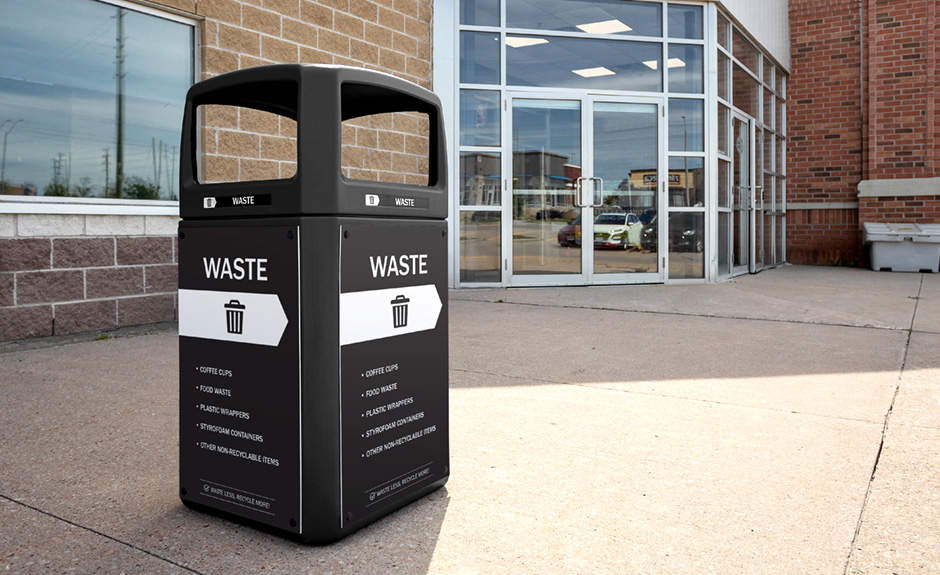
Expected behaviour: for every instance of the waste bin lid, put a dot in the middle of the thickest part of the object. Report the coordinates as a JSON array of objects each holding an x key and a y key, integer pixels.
[{"x": 899, "y": 232}]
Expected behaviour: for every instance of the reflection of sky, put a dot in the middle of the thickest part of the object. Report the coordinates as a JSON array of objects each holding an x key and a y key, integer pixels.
[
  {"x": 625, "y": 140},
  {"x": 61, "y": 83},
  {"x": 544, "y": 129}
]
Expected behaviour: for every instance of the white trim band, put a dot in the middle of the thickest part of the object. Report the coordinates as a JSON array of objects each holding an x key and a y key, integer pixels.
[
  {"x": 87, "y": 206},
  {"x": 907, "y": 187}
]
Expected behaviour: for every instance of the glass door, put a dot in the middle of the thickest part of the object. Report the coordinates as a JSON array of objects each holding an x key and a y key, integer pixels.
[
  {"x": 585, "y": 187},
  {"x": 742, "y": 208},
  {"x": 626, "y": 170},
  {"x": 545, "y": 213}
]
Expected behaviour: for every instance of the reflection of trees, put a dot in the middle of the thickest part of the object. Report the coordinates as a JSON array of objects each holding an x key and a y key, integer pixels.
[{"x": 137, "y": 188}]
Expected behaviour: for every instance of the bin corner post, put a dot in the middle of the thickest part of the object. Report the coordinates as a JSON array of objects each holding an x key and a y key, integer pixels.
[{"x": 313, "y": 328}]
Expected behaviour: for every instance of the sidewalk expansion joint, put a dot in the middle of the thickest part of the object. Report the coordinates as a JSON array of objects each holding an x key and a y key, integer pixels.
[
  {"x": 698, "y": 315},
  {"x": 100, "y": 534},
  {"x": 884, "y": 433}
]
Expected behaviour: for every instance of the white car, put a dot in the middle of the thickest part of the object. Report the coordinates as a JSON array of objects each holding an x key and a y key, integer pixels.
[{"x": 617, "y": 230}]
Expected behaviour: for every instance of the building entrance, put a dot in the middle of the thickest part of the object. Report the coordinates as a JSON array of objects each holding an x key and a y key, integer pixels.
[
  {"x": 583, "y": 190},
  {"x": 746, "y": 240}
]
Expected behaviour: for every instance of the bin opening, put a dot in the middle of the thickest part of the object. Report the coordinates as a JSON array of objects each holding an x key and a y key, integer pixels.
[
  {"x": 243, "y": 144},
  {"x": 391, "y": 147}
]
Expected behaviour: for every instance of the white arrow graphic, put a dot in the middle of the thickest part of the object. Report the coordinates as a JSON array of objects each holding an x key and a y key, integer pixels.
[
  {"x": 256, "y": 318},
  {"x": 377, "y": 314}
]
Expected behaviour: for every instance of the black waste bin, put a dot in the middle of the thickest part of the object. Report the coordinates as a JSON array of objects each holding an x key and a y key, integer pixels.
[{"x": 313, "y": 317}]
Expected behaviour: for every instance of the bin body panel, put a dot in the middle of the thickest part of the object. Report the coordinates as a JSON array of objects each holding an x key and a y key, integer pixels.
[
  {"x": 240, "y": 423},
  {"x": 393, "y": 360},
  {"x": 904, "y": 247},
  {"x": 360, "y": 405}
]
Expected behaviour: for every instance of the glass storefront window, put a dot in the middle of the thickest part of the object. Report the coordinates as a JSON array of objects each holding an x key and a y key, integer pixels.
[
  {"x": 746, "y": 90},
  {"x": 686, "y": 69},
  {"x": 724, "y": 245},
  {"x": 768, "y": 73},
  {"x": 480, "y": 246},
  {"x": 724, "y": 184},
  {"x": 479, "y": 12},
  {"x": 621, "y": 17},
  {"x": 781, "y": 155},
  {"x": 686, "y": 245},
  {"x": 745, "y": 52},
  {"x": 781, "y": 117},
  {"x": 686, "y": 182},
  {"x": 724, "y": 73},
  {"x": 759, "y": 151},
  {"x": 583, "y": 63},
  {"x": 479, "y": 118},
  {"x": 768, "y": 151},
  {"x": 768, "y": 118},
  {"x": 479, "y": 58},
  {"x": 480, "y": 179},
  {"x": 686, "y": 125},
  {"x": 724, "y": 115},
  {"x": 71, "y": 124},
  {"x": 685, "y": 22},
  {"x": 724, "y": 33}
]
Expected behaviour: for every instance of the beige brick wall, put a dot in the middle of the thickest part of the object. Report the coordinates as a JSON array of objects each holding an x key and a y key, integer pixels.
[{"x": 393, "y": 36}]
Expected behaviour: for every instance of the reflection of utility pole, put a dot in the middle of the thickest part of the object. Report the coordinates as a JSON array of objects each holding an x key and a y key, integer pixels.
[
  {"x": 171, "y": 174},
  {"x": 107, "y": 189},
  {"x": 3, "y": 169},
  {"x": 57, "y": 172},
  {"x": 119, "y": 163}
]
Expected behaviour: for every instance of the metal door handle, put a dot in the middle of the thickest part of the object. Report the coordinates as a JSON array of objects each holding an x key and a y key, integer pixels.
[
  {"x": 580, "y": 195},
  {"x": 594, "y": 189}
]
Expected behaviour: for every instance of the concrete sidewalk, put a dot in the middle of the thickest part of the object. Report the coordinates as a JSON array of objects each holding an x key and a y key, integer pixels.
[{"x": 787, "y": 422}]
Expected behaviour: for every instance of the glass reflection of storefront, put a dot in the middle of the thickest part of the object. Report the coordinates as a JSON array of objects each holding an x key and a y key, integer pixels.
[{"x": 552, "y": 129}]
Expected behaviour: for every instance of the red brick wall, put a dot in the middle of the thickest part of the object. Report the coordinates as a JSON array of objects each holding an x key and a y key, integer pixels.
[
  {"x": 864, "y": 96},
  {"x": 913, "y": 209},
  {"x": 824, "y": 129},
  {"x": 902, "y": 93}
]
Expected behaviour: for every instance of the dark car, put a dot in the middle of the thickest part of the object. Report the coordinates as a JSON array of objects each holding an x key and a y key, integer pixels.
[
  {"x": 682, "y": 238},
  {"x": 570, "y": 235}
]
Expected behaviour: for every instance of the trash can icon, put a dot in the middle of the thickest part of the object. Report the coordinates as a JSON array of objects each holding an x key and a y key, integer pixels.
[
  {"x": 234, "y": 316},
  {"x": 400, "y": 311}
]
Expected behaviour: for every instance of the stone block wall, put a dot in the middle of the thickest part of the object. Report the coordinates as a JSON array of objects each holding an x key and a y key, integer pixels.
[{"x": 64, "y": 274}]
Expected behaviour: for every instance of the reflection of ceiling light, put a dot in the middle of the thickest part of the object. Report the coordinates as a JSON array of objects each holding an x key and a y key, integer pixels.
[
  {"x": 672, "y": 63},
  {"x": 594, "y": 72},
  {"x": 522, "y": 42},
  {"x": 605, "y": 27}
]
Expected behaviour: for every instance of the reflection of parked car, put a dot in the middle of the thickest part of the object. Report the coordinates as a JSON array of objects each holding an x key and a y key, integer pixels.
[
  {"x": 617, "y": 230},
  {"x": 570, "y": 235},
  {"x": 682, "y": 238}
]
